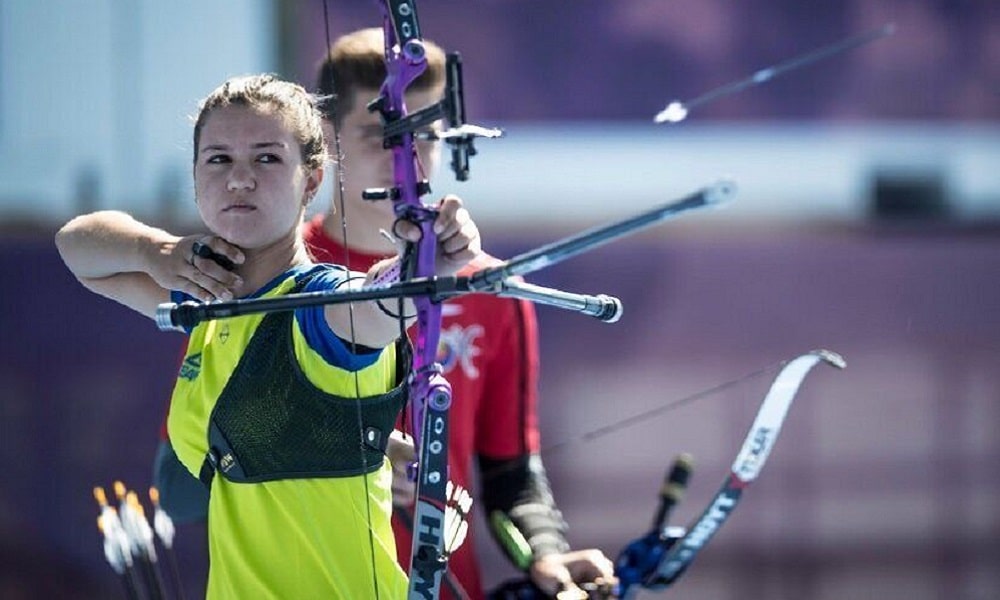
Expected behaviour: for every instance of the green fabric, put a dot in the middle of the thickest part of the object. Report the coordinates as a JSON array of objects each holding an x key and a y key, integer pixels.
[{"x": 511, "y": 539}]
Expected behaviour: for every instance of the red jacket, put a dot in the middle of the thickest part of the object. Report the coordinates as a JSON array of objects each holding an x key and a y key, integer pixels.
[{"x": 489, "y": 350}]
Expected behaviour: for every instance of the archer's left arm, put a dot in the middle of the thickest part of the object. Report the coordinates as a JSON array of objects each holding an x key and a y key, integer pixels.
[
  {"x": 529, "y": 527},
  {"x": 517, "y": 498},
  {"x": 458, "y": 242}
]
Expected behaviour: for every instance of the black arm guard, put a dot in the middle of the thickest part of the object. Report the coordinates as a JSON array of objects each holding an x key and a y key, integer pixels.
[{"x": 519, "y": 505}]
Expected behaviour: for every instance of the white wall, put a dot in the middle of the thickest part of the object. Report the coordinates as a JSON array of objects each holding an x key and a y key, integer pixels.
[
  {"x": 783, "y": 172},
  {"x": 103, "y": 90}
]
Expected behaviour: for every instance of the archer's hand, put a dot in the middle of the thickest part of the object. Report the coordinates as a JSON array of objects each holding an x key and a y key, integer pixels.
[
  {"x": 458, "y": 236},
  {"x": 560, "y": 573},
  {"x": 401, "y": 453},
  {"x": 179, "y": 269}
]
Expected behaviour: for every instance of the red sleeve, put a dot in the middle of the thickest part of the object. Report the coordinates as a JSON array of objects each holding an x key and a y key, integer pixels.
[{"x": 507, "y": 421}]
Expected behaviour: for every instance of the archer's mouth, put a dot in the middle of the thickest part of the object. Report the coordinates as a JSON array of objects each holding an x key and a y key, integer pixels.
[{"x": 239, "y": 208}]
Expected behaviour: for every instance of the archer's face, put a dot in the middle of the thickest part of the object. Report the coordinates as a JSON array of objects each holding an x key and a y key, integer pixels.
[
  {"x": 250, "y": 183},
  {"x": 366, "y": 164}
]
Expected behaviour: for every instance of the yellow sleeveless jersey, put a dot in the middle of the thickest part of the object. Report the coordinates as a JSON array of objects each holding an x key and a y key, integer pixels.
[{"x": 292, "y": 538}]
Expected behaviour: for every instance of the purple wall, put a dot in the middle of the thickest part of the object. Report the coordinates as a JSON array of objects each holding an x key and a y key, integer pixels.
[
  {"x": 882, "y": 485},
  {"x": 624, "y": 60}
]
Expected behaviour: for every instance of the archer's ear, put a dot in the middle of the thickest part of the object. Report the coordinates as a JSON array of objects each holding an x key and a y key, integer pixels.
[{"x": 313, "y": 182}]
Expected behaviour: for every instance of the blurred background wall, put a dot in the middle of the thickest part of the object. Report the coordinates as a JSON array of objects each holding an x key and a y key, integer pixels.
[{"x": 866, "y": 222}]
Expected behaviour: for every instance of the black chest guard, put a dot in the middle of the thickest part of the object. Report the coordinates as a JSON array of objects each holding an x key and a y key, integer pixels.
[{"x": 271, "y": 422}]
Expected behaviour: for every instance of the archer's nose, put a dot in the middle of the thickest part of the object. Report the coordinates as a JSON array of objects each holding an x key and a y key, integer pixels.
[{"x": 241, "y": 179}]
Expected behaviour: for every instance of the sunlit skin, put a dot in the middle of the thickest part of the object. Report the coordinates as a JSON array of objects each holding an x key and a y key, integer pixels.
[
  {"x": 251, "y": 185},
  {"x": 251, "y": 189}
]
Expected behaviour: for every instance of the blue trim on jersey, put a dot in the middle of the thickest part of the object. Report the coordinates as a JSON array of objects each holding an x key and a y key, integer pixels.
[
  {"x": 317, "y": 332},
  {"x": 311, "y": 320},
  {"x": 298, "y": 271}
]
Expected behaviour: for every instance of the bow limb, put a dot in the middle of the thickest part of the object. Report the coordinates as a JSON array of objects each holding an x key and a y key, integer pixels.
[
  {"x": 753, "y": 454},
  {"x": 658, "y": 558}
]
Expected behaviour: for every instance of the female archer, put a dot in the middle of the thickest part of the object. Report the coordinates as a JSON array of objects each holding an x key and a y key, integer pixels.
[{"x": 266, "y": 409}]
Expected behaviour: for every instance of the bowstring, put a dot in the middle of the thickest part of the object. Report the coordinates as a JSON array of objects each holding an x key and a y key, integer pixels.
[
  {"x": 338, "y": 169},
  {"x": 641, "y": 417}
]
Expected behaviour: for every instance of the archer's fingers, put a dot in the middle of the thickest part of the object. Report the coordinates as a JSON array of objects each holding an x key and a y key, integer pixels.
[
  {"x": 452, "y": 215},
  {"x": 208, "y": 288},
  {"x": 211, "y": 267},
  {"x": 190, "y": 287},
  {"x": 404, "y": 491},
  {"x": 458, "y": 235},
  {"x": 217, "y": 250},
  {"x": 570, "y": 591},
  {"x": 400, "y": 448},
  {"x": 211, "y": 275},
  {"x": 461, "y": 247},
  {"x": 590, "y": 565},
  {"x": 401, "y": 453},
  {"x": 451, "y": 218}
]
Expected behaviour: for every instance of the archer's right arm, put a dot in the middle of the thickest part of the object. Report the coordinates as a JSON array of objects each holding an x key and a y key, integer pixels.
[{"x": 118, "y": 257}]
